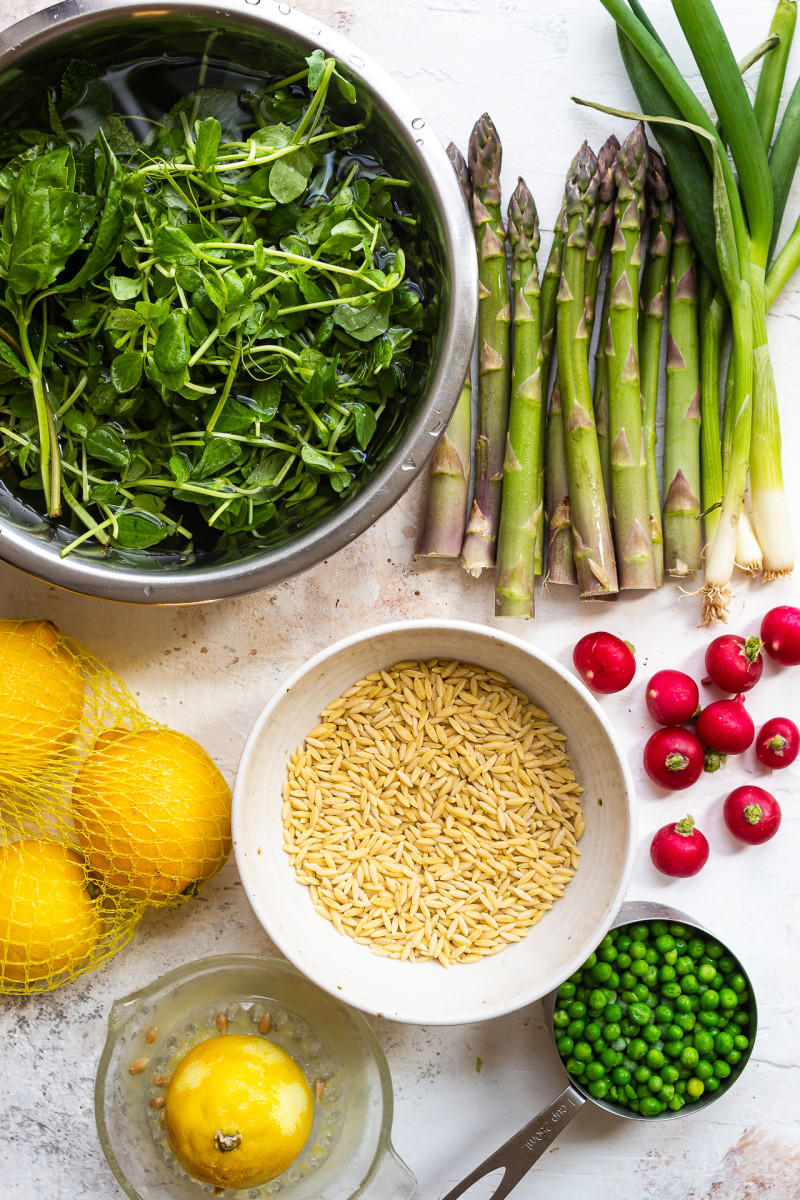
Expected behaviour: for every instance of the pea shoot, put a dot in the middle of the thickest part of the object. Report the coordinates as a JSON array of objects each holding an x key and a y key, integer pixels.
[{"x": 212, "y": 333}]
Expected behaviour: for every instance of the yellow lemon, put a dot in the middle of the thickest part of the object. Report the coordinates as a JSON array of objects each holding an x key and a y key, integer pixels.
[
  {"x": 48, "y": 922},
  {"x": 153, "y": 813},
  {"x": 41, "y": 696},
  {"x": 239, "y": 1111}
]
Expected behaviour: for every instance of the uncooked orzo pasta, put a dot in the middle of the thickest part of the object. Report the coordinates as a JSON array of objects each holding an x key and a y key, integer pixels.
[{"x": 433, "y": 813}]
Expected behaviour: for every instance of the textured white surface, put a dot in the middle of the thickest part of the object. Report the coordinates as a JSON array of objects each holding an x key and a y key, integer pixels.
[{"x": 209, "y": 670}]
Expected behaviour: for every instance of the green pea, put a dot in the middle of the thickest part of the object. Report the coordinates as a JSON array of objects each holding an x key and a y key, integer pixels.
[
  {"x": 733, "y": 1057},
  {"x": 683, "y": 1004},
  {"x": 655, "y": 1083},
  {"x": 582, "y": 1051},
  {"x": 590, "y": 962},
  {"x": 667, "y": 1092},
  {"x": 696, "y": 947},
  {"x": 565, "y": 1046},
  {"x": 608, "y": 954},
  {"x": 639, "y": 933},
  {"x": 664, "y": 942},
  {"x": 709, "y": 1019},
  {"x": 597, "y": 999},
  {"x": 623, "y": 941},
  {"x": 671, "y": 956},
  {"x": 740, "y": 1042},
  {"x": 576, "y": 1009},
  {"x": 673, "y": 1049},
  {"x": 575, "y": 1067},
  {"x": 637, "y": 949},
  {"x": 709, "y": 1000},
  {"x": 639, "y": 968},
  {"x": 601, "y": 971},
  {"x": 561, "y": 1018},
  {"x": 686, "y": 1020},
  {"x": 612, "y": 1031},
  {"x": 706, "y": 972},
  {"x": 666, "y": 974},
  {"x": 566, "y": 991},
  {"x": 637, "y": 1049},
  {"x": 670, "y": 1073},
  {"x": 672, "y": 989},
  {"x": 727, "y": 964},
  {"x": 703, "y": 1041},
  {"x": 738, "y": 983},
  {"x": 623, "y": 961},
  {"x": 655, "y": 1058},
  {"x": 704, "y": 1070},
  {"x": 680, "y": 945},
  {"x": 593, "y": 1031},
  {"x": 640, "y": 1013},
  {"x": 684, "y": 965},
  {"x": 629, "y": 1028},
  {"x": 650, "y": 1106},
  {"x": 651, "y": 957},
  {"x": 677, "y": 1103},
  {"x": 728, "y": 998},
  {"x": 714, "y": 950},
  {"x": 717, "y": 982},
  {"x": 721, "y": 1069},
  {"x": 575, "y": 1029},
  {"x": 612, "y": 1012},
  {"x": 598, "y": 1088},
  {"x": 610, "y": 1058},
  {"x": 651, "y": 1034},
  {"x": 695, "y": 1088},
  {"x": 723, "y": 1042},
  {"x": 741, "y": 1018},
  {"x": 690, "y": 985},
  {"x": 712, "y": 1084},
  {"x": 595, "y": 1070},
  {"x": 620, "y": 1076},
  {"x": 642, "y": 1073},
  {"x": 599, "y": 1046},
  {"x": 627, "y": 980},
  {"x": 673, "y": 1033},
  {"x": 658, "y": 928},
  {"x": 651, "y": 978},
  {"x": 689, "y": 1057}
]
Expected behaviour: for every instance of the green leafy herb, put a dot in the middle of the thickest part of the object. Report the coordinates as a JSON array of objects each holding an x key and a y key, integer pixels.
[{"x": 210, "y": 333}]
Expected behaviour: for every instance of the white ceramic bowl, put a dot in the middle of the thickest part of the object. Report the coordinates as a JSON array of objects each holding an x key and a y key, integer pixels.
[{"x": 426, "y": 993}]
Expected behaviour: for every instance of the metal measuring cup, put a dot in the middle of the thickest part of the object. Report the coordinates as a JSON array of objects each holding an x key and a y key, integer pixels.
[{"x": 526, "y": 1147}]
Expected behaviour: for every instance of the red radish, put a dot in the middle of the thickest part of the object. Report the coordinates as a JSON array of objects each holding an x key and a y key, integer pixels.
[
  {"x": 604, "y": 662},
  {"x": 751, "y": 814},
  {"x": 778, "y": 743},
  {"x": 672, "y": 698},
  {"x": 673, "y": 758},
  {"x": 780, "y": 632},
  {"x": 726, "y": 726},
  {"x": 734, "y": 663},
  {"x": 679, "y": 850}
]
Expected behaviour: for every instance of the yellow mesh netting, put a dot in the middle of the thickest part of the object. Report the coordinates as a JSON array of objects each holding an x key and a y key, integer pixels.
[{"x": 102, "y": 811}]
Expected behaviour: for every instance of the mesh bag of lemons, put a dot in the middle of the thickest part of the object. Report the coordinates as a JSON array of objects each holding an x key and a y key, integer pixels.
[{"x": 102, "y": 811}]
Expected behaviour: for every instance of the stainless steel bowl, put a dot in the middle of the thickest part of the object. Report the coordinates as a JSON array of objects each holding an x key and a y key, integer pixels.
[{"x": 257, "y": 31}]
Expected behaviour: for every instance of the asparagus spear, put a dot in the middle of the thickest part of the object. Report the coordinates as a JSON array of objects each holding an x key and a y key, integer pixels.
[
  {"x": 711, "y": 311},
  {"x": 445, "y": 513},
  {"x": 550, "y": 281},
  {"x": 601, "y": 395},
  {"x": 658, "y": 196},
  {"x": 520, "y": 515},
  {"x": 494, "y": 348},
  {"x": 560, "y": 556},
  {"x": 682, "y": 484},
  {"x": 594, "y": 551},
  {"x": 634, "y": 543},
  {"x": 603, "y": 222}
]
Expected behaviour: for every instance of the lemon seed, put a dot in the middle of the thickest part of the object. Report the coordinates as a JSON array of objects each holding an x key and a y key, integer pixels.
[
  {"x": 138, "y": 1066},
  {"x": 151, "y": 1035},
  {"x": 222, "y": 1022},
  {"x": 265, "y": 1024},
  {"x": 157, "y": 1102},
  {"x": 320, "y": 1088},
  {"x": 160, "y": 1080}
]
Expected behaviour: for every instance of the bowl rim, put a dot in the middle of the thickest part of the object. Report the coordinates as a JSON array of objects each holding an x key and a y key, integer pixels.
[
  {"x": 421, "y": 1016},
  {"x": 187, "y": 585}
]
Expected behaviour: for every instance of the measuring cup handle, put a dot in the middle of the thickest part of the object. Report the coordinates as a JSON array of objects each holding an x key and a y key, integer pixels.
[{"x": 522, "y": 1150}]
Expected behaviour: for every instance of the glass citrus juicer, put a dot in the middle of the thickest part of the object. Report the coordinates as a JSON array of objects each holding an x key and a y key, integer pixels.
[{"x": 348, "y": 1154}]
